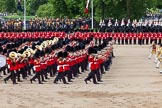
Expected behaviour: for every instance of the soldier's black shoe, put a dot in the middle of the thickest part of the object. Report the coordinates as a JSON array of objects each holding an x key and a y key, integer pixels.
[
  {"x": 47, "y": 78},
  {"x": 40, "y": 83},
  {"x": 103, "y": 72},
  {"x": 70, "y": 81},
  {"x": 44, "y": 81},
  {"x": 85, "y": 81},
  {"x": 52, "y": 76},
  {"x": 15, "y": 83},
  {"x": 20, "y": 81},
  {"x": 100, "y": 81},
  {"x": 66, "y": 83},
  {"x": 5, "y": 81},
  {"x": 31, "y": 81},
  {"x": 96, "y": 83},
  {"x": 55, "y": 82}
]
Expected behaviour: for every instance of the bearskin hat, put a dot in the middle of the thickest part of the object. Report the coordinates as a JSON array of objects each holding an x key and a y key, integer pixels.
[
  {"x": 65, "y": 54},
  {"x": 60, "y": 54},
  {"x": 67, "y": 48},
  {"x": 90, "y": 50},
  {"x": 48, "y": 50},
  {"x": 8, "y": 46}
]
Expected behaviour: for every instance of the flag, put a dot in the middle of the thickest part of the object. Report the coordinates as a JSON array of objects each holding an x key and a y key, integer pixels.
[
  {"x": 86, "y": 9},
  {"x": 19, "y": 5}
]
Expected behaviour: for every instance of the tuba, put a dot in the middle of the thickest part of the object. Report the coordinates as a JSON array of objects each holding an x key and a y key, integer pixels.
[{"x": 13, "y": 55}]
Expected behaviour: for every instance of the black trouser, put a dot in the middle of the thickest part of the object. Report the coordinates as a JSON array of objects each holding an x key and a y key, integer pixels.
[
  {"x": 122, "y": 42},
  {"x": 147, "y": 41},
  {"x": 37, "y": 75},
  {"x": 49, "y": 69},
  {"x": 61, "y": 75},
  {"x": 134, "y": 41},
  {"x": 86, "y": 63},
  {"x": 160, "y": 41},
  {"x": 130, "y": 41},
  {"x": 54, "y": 68},
  {"x": 75, "y": 70},
  {"x": 31, "y": 68},
  {"x": 82, "y": 66},
  {"x": 12, "y": 76},
  {"x": 42, "y": 74},
  {"x": 99, "y": 41},
  {"x": 92, "y": 75},
  {"x": 98, "y": 75},
  {"x": 101, "y": 68},
  {"x": 107, "y": 63},
  {"x": 113, "y": 54},
  {"x": 28, "y": 69},
  {"x": 23, "y": 72},
  {"x": 119, "y": 41},
  {"x": 18, "y": 74},
  {"x": 126, "y": 41},
  {"x": 69, "y": 75},
  {"x": 3, "y": 69}
]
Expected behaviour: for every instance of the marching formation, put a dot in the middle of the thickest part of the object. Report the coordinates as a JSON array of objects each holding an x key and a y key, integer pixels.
[
  {"x": 43, "y": 55},
  {"x": 119, "y": 37}
]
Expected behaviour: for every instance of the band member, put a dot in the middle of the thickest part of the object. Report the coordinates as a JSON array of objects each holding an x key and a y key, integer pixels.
[
  {"x": 67, "y": 67},
  {"x": 12, "y": 67},
  {"x": 152, "y": 50},
  {"x": 92, "y": 66},
  {"x": 60, "y": 69},
  {"x": 159, "y": 56},
  {"x": 159, "y": 59},
  {"x": 37, "y": 68}
]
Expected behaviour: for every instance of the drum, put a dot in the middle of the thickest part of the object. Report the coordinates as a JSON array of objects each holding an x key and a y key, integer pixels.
[{"x": 2, "y": 61}]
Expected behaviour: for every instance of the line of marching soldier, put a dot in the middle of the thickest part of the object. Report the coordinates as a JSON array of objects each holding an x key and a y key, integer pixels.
[
  {"x": 140, "y": 38},
  {"x": 37, "y": 57},
  {"x": 100, "y": 60},
  {"x": 131, "y": 38}
]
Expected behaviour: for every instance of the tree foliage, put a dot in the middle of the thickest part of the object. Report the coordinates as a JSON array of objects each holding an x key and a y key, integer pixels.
[
  {"x": 75, "y": 8},
  {"x": 45, "y": 10}
]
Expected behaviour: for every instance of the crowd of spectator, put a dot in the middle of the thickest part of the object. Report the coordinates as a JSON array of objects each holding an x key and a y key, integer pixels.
[
  {"x": 146, "y": 24},
  {"x": 45, "y": 24}
]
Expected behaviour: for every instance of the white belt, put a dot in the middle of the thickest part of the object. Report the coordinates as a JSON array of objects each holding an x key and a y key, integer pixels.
[
  {"x": 35, "y": 67},
  {"x": 59, "y": 66}
]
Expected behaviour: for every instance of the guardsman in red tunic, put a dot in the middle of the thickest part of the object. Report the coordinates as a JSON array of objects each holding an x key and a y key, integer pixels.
[
  {"x": 122, "y": 38},
  {"x": 12, "y": 67},
  {"x": 67, "y": 66},
  {"x": 92, "y": 66},
  {"x": 147, "y": 38},
  {"x": 37, "y": 68},
  {"x": 60, "y": 69}
]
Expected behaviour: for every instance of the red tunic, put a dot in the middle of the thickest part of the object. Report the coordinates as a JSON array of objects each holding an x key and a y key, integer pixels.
[
  {"x": 60, "y": 66},
  {"x": 67, "y": 65},
  {"x": 37, "y": 66}
]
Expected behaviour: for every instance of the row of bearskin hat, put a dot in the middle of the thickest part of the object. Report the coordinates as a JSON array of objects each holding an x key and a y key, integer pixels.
[{"x": 48, "y": 35}]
